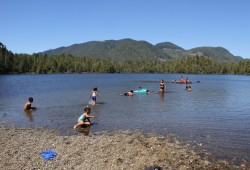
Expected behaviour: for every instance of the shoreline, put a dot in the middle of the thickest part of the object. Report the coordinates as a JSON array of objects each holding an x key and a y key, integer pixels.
[{"x": 20, "y": 148}]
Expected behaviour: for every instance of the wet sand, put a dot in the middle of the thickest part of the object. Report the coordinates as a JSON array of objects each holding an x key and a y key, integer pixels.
[{"x": 20, "y": 148}]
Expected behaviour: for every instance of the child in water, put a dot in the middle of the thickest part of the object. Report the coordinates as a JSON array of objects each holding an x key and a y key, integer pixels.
[
  {"x": 84, "y": 117},
  {"x": 188, "y": 88},
  {"x": 93, "y": 94},
  {"x": 27, "y": 106}
]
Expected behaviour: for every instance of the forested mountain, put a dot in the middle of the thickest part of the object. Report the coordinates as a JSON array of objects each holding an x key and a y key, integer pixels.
[
  {"x": 217, "y": 53},
  {"x": 172, "y": 50},
  {"x": 127, "y": 49},
  {"x": 169, "y": 46},
  {"x": 124, "y": 49}
]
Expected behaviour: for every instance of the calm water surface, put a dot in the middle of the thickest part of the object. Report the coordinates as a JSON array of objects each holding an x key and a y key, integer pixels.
[{"x": 215, "y": 114}]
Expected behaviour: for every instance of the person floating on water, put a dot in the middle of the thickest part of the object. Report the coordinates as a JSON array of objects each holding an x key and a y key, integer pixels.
[
  {"x": 27, "y": 106},
  {"x": 129, "y": 93},
  {"x": 162, "y": 86},
  {"x": 84, "y": 118},
  {"x": 94, "y": 94}
]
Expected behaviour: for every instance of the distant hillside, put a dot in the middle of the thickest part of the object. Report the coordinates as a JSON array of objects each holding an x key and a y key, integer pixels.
[
  {"x": 169, "y": 46},
  {"x": 172, "y": 50},
  {"x": 217, "y": 53},
  {"x": 127, "y": 49},
  {"x": 121, "y": 50}
]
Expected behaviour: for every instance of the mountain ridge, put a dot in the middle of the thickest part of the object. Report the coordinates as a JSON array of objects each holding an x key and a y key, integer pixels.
[{"x": 127, "y": 49}]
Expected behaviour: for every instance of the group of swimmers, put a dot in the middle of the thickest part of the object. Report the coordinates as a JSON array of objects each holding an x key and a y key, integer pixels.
[
  {"x": 84, "y": 119},
  {"x": 131, "y": 92},
  {"x": 185, "y": 81}
]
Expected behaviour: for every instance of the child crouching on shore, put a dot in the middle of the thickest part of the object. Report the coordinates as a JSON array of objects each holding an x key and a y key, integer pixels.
[{"x": 84, "y": 117}]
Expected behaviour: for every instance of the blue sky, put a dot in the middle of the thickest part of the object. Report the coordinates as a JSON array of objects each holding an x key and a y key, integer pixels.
[{"x": 31, "y": 26}]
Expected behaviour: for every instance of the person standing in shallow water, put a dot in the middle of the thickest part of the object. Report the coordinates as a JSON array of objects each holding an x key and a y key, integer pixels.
[
  {"x": 27, "y": 106},
  {"x": 162, "y": 86},
  {"x": 94, "y": 94}
]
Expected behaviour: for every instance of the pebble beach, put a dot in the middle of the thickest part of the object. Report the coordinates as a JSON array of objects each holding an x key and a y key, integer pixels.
[{"x": 20, "y": 148}]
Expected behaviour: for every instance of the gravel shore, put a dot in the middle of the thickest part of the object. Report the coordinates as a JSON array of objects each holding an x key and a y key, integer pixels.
[{"x": 20, "y": 149}]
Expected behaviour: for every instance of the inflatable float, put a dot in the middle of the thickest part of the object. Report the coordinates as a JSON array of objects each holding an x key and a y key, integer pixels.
[
  {"x": 181, "y": 82},
  {"x": 143, "y": 90}
]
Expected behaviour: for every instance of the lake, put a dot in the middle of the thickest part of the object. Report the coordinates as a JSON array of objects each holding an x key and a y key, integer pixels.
[{"x": 214, "y": 116}]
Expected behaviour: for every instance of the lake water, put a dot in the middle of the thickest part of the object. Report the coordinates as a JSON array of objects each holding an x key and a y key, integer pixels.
[{"x": 216, "y": 113}]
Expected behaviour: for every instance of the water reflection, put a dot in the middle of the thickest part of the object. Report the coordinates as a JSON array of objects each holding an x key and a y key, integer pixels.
[
  {"x": 28, "y": 114},
  {"x": 161, "y": 94}
]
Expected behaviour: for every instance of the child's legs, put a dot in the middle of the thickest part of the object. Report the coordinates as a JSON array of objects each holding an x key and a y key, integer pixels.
[{"x": 80, "y": 122}]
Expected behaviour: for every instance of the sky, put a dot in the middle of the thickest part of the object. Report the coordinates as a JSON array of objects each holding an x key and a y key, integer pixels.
[{"x": 32, "y": 26}]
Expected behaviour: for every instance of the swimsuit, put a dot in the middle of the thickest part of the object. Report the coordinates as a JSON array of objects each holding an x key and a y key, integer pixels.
[
  {"x": 82, "y": 117},
  {"x": 93, "y": 96},
  {"x": 162, "y": 86}
]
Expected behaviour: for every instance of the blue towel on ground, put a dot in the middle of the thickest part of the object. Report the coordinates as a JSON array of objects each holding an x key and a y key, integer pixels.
[{"x": 48, "y": 154}]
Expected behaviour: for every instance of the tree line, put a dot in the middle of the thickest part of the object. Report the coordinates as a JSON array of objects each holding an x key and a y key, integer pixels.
[{"x": 42, "y": 64}]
